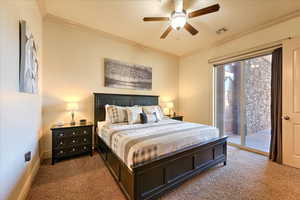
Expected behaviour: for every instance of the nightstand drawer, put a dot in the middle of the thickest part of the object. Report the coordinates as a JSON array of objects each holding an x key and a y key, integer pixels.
[
  {"x": 72, "y": 132},
  {"x": 71, "y": 151},
  {"x": 66, "y": 133},
  {"x": 69, "y": 141}
]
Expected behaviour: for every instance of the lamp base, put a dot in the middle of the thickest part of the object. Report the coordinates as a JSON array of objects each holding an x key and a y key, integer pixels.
[{"x": 72, "y": 121}]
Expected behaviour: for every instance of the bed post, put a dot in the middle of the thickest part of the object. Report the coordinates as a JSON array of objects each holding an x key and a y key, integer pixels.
[{"x": 95, "y": 124}]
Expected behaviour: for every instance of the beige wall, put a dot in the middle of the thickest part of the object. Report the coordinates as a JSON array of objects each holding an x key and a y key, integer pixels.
[
  {"x": 20, "y": 113},
  {"x": 196, "y": 75},
  {"x": 73, "y": 70}
]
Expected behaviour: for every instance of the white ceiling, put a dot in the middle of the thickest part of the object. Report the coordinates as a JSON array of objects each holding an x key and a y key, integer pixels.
[{"x": 123, "y": 18}]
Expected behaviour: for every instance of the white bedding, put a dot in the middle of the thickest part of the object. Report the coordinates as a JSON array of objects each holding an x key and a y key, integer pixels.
[{"x": 136, "y": 143}]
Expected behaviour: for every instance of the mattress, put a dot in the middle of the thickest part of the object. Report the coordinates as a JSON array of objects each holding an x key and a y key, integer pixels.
[{"x": 137, "y": 143}]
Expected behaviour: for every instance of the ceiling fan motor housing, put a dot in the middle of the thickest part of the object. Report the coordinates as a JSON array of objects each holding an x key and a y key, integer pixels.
[{"x": 178, "y": 19}]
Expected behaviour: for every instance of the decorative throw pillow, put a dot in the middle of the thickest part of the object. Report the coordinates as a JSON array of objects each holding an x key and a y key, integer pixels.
[
  {"x": 148, "y": 118},
  {"x": 152, "y": 117},
  {"x": 134, "y": 114},
  {"x": 123, "y": 110},
  {"x": 144, "y": 119},
  {"x": 154, "y": 109},
  {"x": 116, "y": 114}
]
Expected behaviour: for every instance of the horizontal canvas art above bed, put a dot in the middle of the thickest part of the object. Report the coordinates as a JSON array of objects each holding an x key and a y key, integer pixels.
[{"x": 128, "y": 76}]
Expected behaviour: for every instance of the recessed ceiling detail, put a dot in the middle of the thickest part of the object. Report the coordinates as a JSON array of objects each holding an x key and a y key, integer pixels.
[{"x": 122, "y": 18}]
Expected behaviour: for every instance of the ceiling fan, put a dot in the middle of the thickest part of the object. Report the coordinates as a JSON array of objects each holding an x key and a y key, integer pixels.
[{"x": 179, "y": 18}]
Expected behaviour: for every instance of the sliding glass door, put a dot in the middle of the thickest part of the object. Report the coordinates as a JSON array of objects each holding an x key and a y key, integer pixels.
[{"x": 243, "y": 102}]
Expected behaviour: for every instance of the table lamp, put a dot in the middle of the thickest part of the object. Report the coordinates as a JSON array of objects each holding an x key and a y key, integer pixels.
[
  {"x": 72, "y": 107},
  {"x": 170, "y": 106}
]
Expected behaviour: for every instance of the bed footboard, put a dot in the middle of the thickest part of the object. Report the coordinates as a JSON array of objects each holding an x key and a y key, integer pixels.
[{"x": 151, "y": 179}]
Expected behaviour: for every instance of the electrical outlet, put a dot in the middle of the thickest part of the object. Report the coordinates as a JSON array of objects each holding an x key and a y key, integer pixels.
[{"x": 28, "y": 156}]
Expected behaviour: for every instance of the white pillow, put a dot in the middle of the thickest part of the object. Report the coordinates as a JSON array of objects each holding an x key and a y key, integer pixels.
[
  {"x": 154, "y": 109},
  {"x": 134, "y": 114},
  {"x": 115, "y": 114}
]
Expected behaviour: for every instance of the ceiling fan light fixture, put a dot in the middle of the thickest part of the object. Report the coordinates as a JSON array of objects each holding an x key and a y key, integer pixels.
[{"x": 178, "y": 20}]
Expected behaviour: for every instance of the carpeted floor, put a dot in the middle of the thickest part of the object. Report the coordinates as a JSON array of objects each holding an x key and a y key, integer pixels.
[{"x": 246, "y": 176}]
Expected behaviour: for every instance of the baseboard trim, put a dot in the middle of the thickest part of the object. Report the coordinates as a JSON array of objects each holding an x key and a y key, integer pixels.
[
  {"x": 26, "y": 187},
  {"x": 46, "y": 155}
]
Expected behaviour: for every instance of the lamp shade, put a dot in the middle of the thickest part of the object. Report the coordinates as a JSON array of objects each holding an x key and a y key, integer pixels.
[
  {"x": 170, "y": 105},
  {"x": 72, "y": 106}
]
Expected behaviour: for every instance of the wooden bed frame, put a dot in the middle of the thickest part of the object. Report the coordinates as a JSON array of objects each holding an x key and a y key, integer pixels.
[{"x": 151, "y": 179}]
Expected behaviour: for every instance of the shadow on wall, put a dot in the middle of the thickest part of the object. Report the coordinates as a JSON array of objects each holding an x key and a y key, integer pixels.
[{"x": 55, "y": 110}]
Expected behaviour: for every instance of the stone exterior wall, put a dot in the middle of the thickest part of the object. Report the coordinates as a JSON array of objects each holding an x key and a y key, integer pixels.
[{"x": 257, "y": 87}]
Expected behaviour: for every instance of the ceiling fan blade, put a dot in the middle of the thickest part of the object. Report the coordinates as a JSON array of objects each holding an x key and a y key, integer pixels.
[
  {"x": 167, "y": 31},
  {"x": 204, "y": 11},
  {"x": 190, "y": 29},
  {"x": 149, "y": 19}
]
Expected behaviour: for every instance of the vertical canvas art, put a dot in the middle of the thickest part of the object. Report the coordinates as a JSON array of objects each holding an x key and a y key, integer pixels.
[
  {"x": 128, "y": 76},
  {"x": 29, "y": 65}
]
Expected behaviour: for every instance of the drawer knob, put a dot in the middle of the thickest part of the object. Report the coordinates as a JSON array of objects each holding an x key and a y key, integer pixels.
[
  {"x": 84, "y": 132},
  {"x": 73, "y": 141},
  {"x": 61, "y": 143},
  {"x": 84, "y": 139},
  {"x": 84, "y": 147},
  {"x": 73, "y": 133},
  {"x": 73, "y": 149},
  {"x": 61, "y": 152}
]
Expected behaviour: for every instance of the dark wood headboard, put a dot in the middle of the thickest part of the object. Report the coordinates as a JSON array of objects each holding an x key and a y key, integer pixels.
[{"x": 101, "y": 99}]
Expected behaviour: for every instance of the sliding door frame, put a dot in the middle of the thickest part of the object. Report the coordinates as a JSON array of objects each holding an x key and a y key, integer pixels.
[{"x": 242, "y": 127}]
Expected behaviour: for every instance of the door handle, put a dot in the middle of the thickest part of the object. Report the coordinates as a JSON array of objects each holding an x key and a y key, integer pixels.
[{"x": 286, "y": 117}]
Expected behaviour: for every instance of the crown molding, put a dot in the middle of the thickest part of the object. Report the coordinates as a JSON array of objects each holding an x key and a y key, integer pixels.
[
  {"x": 61, "y": 20},
  {"x": 257, "y": 28},
  {"x": 254, "y": 29}
]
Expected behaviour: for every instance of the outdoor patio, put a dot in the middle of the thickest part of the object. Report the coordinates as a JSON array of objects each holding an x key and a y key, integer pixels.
[{"x": 259, "y": 140}]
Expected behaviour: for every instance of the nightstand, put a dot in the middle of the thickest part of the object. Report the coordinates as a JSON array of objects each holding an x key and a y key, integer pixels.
[
  {"x": 177, "y": 117},
  {"x": 71, "y": 140}
]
